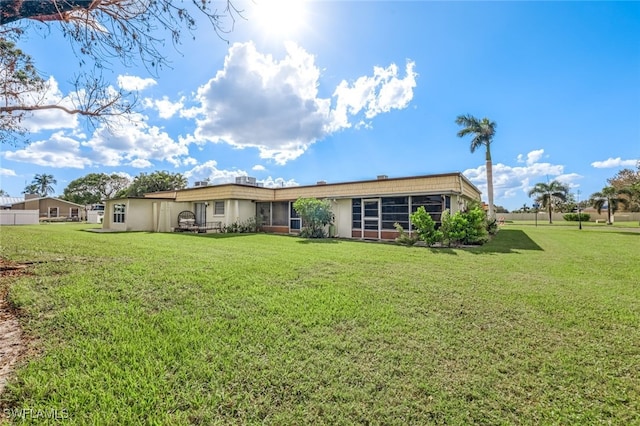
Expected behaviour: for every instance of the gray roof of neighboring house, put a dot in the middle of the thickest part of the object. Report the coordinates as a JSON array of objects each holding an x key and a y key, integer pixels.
[{"x": 7, "y": 201}]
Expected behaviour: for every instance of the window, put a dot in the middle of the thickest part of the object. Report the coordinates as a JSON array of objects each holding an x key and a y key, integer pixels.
[
  {"x": 218, "y": 207},
  {"x": 74, "y": 212},
  {"x": 280, "y": 214},
  {"x": 118, "y": 213},
  {"x": 356, "y": 212},
  {"x": 53, "y": 212},
  {"x": 432, "y": 204},
  {"x": 295, "y": 223},
  {"x": 395, "y": 209},
  {"x": 263, "y": 213}
]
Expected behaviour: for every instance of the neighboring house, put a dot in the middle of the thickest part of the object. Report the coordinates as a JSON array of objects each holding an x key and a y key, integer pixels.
[
  {"x": 364, "y": 209},
  {"x": 51, "y": 208}
]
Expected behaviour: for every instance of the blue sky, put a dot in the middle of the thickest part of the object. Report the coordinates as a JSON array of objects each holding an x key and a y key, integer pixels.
[{"x": 348, "y": 90}]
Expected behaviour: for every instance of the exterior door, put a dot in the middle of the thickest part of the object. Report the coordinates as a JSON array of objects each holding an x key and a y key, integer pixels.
[
  {"x": 201, "y": 214},
  {"x": 371, "y": 218}
]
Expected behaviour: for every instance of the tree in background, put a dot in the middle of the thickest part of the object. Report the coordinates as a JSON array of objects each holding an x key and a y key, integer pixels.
[
  {"x": 630, "y": 180},
  {"x": 30, "y": 189},
  {"x": 42, "y": 184},
  {"x": 95, "y": 187},
  {"x": 4, "y": 193},
  {"x": 612, "y": 198},
  {"x": 154, "y": 182},
  {"x": 99, "y": 31},
  {"x": 483, "y": 132},
  {"x": 548, "y": 193},
  {"x": 315, "y": 214},
  {"x": 568, "y": 205}
]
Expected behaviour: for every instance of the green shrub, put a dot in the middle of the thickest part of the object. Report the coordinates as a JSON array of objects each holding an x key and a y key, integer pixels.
[
  {"x": 403, "y": 237},
  {"x": 575, "y": 217},
  {"x": 425, "y": 227},
  {"x": 315, "y": 215},
  {"x": 454, "y": 228},
  {"x": 477, "y": 229},
  {"x": 248, "y": 226}
]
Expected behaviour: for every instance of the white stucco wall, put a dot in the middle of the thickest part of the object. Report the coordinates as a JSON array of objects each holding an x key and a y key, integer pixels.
[
  {"x": 138, "y": 215},
  {"x": 247, "y": 210}
]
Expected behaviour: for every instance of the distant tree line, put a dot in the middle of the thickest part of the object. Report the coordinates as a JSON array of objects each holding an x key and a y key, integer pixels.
[
  {"x": 622, "y": 192},
  {"x": 97, "y": 187}
]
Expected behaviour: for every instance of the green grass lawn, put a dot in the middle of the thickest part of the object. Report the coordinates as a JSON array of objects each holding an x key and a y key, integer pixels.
[{"x": 540, "y": 326}]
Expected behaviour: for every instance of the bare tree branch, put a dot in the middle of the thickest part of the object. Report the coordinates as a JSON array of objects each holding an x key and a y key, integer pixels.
[{"x": 100, "y": 30}]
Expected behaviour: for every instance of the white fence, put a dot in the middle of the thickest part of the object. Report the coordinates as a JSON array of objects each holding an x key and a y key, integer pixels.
[
  {"x": 95, "y": 216},
  {"x": 19, "y": 217},
  {"x": 557, "y": 217}
]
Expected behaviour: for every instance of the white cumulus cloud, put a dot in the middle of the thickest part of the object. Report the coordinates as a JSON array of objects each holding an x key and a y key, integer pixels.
[
  {"x": 273, "y": 105},
  {"x": 166, "y": 108},
  {"x": 375, "y": 94},
  {"x": 131, "y": 83},
  {"x": 278, "y": 182},
  {"x": 49, "y": 119},
  {"x": 58, "y": 151},
  {"x": 614, "y": 162},
  {"x": 210, "y": 171},
  {"x": 136, "y": 144},
  {"x": 508, "y": 181},
  {"x": 7, "y": 172}
]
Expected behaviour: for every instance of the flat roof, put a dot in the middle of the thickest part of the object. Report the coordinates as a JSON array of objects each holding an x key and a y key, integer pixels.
[{"x": 320, "y": 183}]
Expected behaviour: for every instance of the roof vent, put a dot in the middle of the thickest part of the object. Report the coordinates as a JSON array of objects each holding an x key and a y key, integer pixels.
[
  {"x": 383, "y": 177},
  {"x": 321, "y": 182}
]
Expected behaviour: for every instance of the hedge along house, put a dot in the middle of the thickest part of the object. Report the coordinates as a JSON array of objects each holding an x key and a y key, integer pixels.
[{"x": 362, "y": 210}]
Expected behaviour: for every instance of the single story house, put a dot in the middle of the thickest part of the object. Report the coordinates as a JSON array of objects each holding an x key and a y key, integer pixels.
[
  {"x": 363, "y": 209},
  {"x": 51, "y": 208}
]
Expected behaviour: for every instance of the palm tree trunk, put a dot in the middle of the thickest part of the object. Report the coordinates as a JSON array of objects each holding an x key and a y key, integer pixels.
[
  {"x": 489, "y": 166},
  {"x": 549, "y": 210},
  {"x": 609, "y": 213}
]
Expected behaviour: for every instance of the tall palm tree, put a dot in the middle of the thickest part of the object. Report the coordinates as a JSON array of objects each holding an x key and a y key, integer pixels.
[
  {"x": 547, "y": 192},
  {"x": 483, "y": 132},
  {"x": 44, "y": 183},
  {"x": 612, "y": 198}
]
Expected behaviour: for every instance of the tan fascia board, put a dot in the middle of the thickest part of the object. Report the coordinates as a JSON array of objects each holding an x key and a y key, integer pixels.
[{"x": 257, "y": 193}]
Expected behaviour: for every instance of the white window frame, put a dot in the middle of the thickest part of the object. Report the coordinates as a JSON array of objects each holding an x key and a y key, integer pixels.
[
  {"x": 217, "y": 204},
  {"x": 119, "y": 216}
]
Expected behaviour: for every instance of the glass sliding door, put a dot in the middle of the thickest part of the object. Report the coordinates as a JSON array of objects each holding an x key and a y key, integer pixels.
[
  {"x": 371, "y": 218},
  {"x": 201, "y": 214}
]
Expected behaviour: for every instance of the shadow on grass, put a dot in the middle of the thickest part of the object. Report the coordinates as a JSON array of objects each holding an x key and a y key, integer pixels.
[
  {"x": 442, "y": 250},
  {"x": 217, "y": 235},
  {"x": 318, "y": 241},
  {"x": 506, "y": 241}
]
